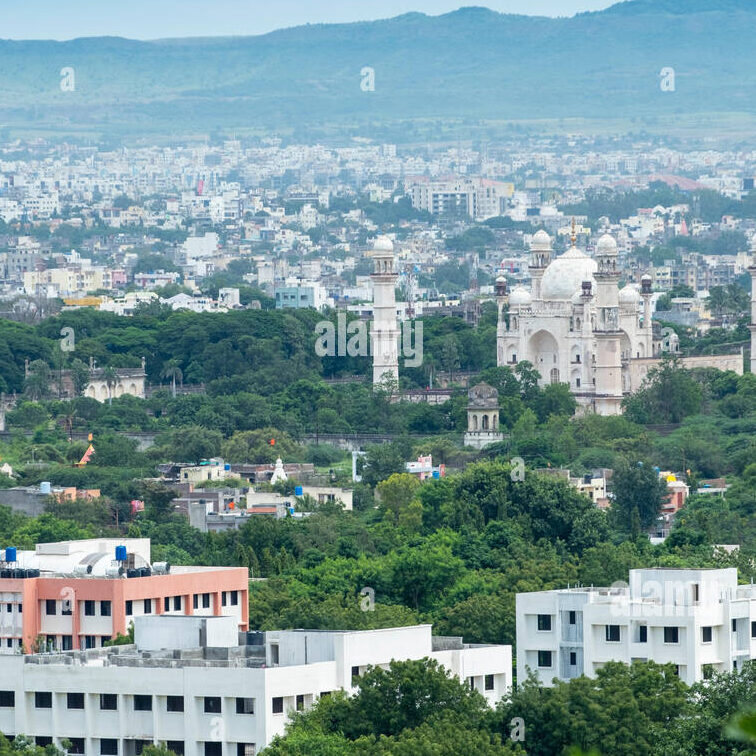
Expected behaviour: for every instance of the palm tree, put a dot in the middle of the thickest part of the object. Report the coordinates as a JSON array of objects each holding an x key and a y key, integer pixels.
[
  {"x": 172, "y": 371},
  {"x": 67, "y": 421},
  {"x": 110, "y": 376}
]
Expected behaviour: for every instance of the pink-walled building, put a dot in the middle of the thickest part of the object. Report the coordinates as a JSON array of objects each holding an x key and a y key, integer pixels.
[{"x": 79, "y": 594}]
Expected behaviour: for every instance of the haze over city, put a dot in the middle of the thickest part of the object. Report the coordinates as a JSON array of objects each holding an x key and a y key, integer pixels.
[{"x": 153, "y": 19}]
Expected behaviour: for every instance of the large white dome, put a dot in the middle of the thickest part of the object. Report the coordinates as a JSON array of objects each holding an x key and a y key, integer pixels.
[{"x": 565, "y": 275}]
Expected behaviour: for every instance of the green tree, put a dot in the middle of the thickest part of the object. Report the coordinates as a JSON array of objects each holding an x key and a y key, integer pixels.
[
  {"x": 37, "y": 384},
  {"x": 396, "y": 494},
  {"x": 638, "y": 493},
  {"x": 80, "y": 376},
  {"x": 193, "y": 443}
]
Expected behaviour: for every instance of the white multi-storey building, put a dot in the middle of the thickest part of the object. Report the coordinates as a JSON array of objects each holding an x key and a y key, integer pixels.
[
  {"x": 189, "y": 683},
  {"x": 699, "y": 620}
]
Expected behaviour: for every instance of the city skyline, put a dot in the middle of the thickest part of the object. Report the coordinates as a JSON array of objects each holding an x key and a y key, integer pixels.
[{"x": 160, "y": 19}]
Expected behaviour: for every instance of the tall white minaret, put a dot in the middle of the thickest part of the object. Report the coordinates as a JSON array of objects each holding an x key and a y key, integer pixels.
[
  {"x": 384, "y": 333},
  {"x": 540, "y": 257},
  {"x": 648, "y": 326},
  {"x": 607, "y": 332},
  {"x": 752, "y": 271}
]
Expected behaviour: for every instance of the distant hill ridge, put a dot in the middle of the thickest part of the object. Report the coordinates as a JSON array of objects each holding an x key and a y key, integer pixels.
[{"x": 471, "y": 64}]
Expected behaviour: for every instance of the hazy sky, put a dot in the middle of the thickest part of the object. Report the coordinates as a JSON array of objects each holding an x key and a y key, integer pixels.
[{"x": 150, "y": 19}]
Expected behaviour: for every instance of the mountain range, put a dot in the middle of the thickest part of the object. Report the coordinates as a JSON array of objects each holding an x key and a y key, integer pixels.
[{"x": 469, "y": 66}]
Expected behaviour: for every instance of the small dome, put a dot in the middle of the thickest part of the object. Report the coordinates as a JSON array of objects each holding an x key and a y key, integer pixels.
[
  {"x": 520, "y": 296},
  {"x": 629, "y": 295},
  {"x": 577, "y": 297},
  {"x": 501, "y": 279},
  {"x": 383, "y": 244},
  {"x": 646, "y": 277},
  {"x": 541, "y": 240},
  {"x": 607, "y": 245},
  {"x": 565, "y": 275}
]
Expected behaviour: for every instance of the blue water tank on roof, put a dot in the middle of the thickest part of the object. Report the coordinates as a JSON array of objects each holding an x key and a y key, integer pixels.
[
  {"x": 298, "y": 491},
  {"x": 10, "y": 554},
  {"x": 120, "y": 554}
]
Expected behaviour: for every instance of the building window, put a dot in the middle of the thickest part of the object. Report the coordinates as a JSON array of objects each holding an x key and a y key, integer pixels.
[
  {"x": 213, "y": 749},
  {"x": 706, "y": 633},
  {"x": 177, "y": 746},
  {"x": 77, "y": 745},
  {"x": 355, "y": 675},
  {"x": 50, "y": 607},
  {"x": 195, "y": 600},
  {"x": 613, "y": 633},
  {"x": 573, "y": 659},
  {"x": 643, "y": 634},
  {"x": 177, "y": 603},
  {"x": 90, "y": 641},
  {"x": 142, "y": 703},
  {"x": 274, "y": 653},
  {"x": 245, "y": 749},
  {"x": 174, "y": 703},
  {"x": 573, "y": 618},
  {"x": 106, "y": 608},
  {"x": 278, "y": 705},
  {"x": 753, "y": 629},
  {"x": 734, "y": 626},
  {"x": 488, "y": 682},
  {"x": 129, "y": 607},
  {"x": 205, "y": 600},
  {"x": 7, "y": 699},
  {"x": 300, "y": 703},
  {"x": 544, "y": 622},
  {"x": 75, "y": 700},
  {"x": 108, "y": 702},
  {"x": 707, "y": 671},
  {"x": 148, "y": 606},
  {"x": 166, "y": 604},
  {"x": 89, "y": 608},
  {"x": 223, "y": 598},
  {"x": 544, "y": 659},
  {"x": 66, "y": 607},
  {"x": 234, "y": 596},
  {"x": 109, "y": 746},
  {"x": 43, "y": 700},
  {"x": 43, "y": 740},
  {"x": 245, "y": 705},
  {"x": 212, "y": 705},
  {"x": 671, "y": 635}
]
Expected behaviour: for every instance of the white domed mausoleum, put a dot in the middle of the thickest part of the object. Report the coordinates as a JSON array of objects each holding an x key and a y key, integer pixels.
[{"x": 576, "y": 326}]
